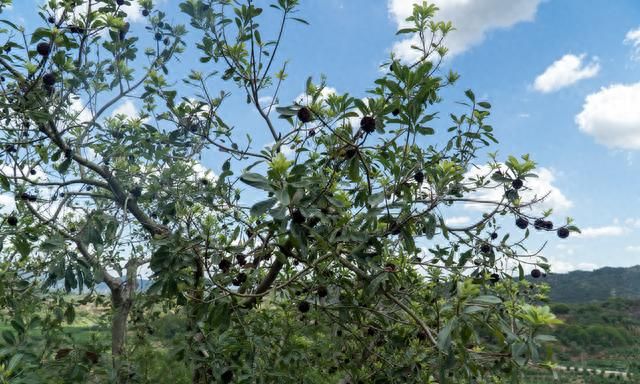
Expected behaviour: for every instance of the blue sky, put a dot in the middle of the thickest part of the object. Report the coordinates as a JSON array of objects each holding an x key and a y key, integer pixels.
[{"x": 563, "y": 77}]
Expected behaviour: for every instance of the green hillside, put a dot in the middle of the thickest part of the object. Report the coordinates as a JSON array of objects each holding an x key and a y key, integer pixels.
[{"x": 598, "y": 285}]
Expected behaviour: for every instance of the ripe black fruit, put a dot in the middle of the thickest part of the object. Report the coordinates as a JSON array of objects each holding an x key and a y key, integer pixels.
[
  {"x": 517, "y": 184},
  {"x": 44, "y": 49},
  {"x": 350, "y": 153},
  {"x": 145, "y": 12},
  {"x": 368, "y": 124},
  {"x": 539, "y": 224},
  {"x": 548, "y": 225},
  {"x": 494, "y": 235},
  {"x": 12, "y": 221},
  {"x": 33, "y": 172},
  {"x": 304, "y": 306},
  {"x": 238, "y": 280},
  {"x": 136, "y": 191},
  {"x": 494, "y": 278},
  {"x": 485, "y": 248},
  {"x": 158, "y": 36},
  {"x": 49, "y": 79},
  {"x": 535, "y": 273},
  {"x": 227, "y": 376},
  {"x": 322, "y": 291},
  {"x": 224, "y": 265},
  {"x": 166, "y": 41},
  {"x": 371, "y": 331},
  {"x": 241, "y": 260},
  {"x": 51, "y": 20},
  {"x": 522, "y": 223},
  {"x": 419, "y": 177},
  {"x": 120, "y": 2},
  {"x": 395, "y": 112},
  {"x": 305, "y": 115},
  {"x": 563, "y": 232},
  {"x": 76, "y": 29},
  {"x": 297, "y": 217}
]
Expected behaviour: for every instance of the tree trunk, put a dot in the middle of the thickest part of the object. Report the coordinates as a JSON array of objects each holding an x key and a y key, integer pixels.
[
  {"x": 122, "y": 296},
  {"x": 200, "y": 372}
]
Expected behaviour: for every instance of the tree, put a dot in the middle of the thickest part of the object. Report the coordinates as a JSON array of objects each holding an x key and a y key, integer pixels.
[{"x": 275, "y": 256}]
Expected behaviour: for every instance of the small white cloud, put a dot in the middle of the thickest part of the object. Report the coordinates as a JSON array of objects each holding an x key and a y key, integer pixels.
[
  {"x": 128, "y": 108},
  {"x": 81, "y": 110},
  {"x": 457, "y": 220},
  {"x": 563, "y": 266},
  {"x": 568, "y": 70},
  {"x": 524, "y": 115},
  {"x": 632, "y": 222},
  {"x": 606, "y": 231},
  {"x": 633, "y": 38},
  {"x": 472, "y": 21},
  {"x": 632, "y": 248},
  {"x": 538, "y": 187},
  {"x": 612, "y": 116},
  {"x": 304, "y": 98}
]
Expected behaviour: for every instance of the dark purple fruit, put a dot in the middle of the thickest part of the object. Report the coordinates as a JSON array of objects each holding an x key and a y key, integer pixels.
[
  {"x": 297, "y": 217},
  {"x": 12, "y": 221},
  {"x": 304, "y": 306},
  {"x": 224, "y": 265},
  {"x": 350, "y": 153},
  {"x": 76, "y": 29},
  {"x": 44, "y": 49},
  {"x": 145, "y": 12},
  {"x": 322, "y": 291},
  {"x": 548, "y": 225},
  {"x": 227, "y": 376},
  {"x": 33, "y": 172},
  {"x": 241, "y": 259},
  {"x": 238, "y": 280},
  {"x": 136, "y": 191},
  {"x": 494, "y": 278},
  {"x": 395, "y": 112},
  {"x": 305, "y": 115},
  {"x": 166, "y": 41},
  {"x": 535, "y": 273},
  {"x": 158, "y": 36},
  {"x": 419, "y": 177},
  {"x": 517, "y": 184},
  {"x": 485, "y": 248},
  {"x": 371, "y": 331},
  {"x": 368, "y": 124},
  {"x": 522, "y": 223},
  {"x": 120, "y": 2},
  {"x": 563, "y": 232},
  {"x": 494, "y": 235},
  {"x": 49, "y": 79},
  {"x": 51, "y": 20},
  {"x": 539, "y": 224}
]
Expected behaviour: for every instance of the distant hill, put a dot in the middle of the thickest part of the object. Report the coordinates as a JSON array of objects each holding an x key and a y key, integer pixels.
[{"x": 600, "y": 284}]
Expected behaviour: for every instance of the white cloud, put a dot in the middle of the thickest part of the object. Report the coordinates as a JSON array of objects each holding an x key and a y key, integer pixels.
[
  {"x": 81, "y": 110},
  {"x": 606, "y": 231},
  {"x": 563, "y": 266},
  {"x": 538, "y": 187},
  {"x": 612, "y": 116},
  {"x": 304, "y": 98},
  {"x": 567, "y": 70},
  {"x": 632, "y": 248},
  {"x": 128, "y": 108},
  {"x": 633, "y": 38},
  {"x": 457, "y": 220},
  {"x": 472, "y": 19}
]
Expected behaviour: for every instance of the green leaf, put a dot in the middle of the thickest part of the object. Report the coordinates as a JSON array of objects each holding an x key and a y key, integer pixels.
[
  {"x": 4, "y": 182},
  {"x": 257, "y": 181},
  {"x": 487, "y": 299},
  {"x": 261, "y": 207}
]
